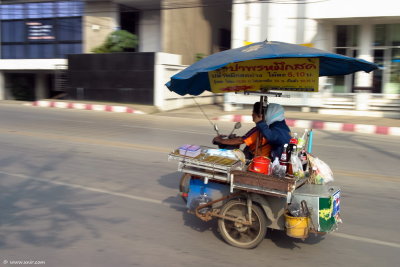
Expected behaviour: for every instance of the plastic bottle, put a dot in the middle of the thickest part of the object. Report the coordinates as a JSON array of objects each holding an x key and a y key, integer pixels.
[
  {"x": 302, "y": 140},
  {"x": 293, "y": 141},
  {"x": 284, "y": 157},
  {"x": 290, "y": 162}
]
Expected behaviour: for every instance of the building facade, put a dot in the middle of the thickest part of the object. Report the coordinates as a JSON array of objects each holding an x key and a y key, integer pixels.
[
  {"x": 368, "y": 30},
  {"x": 38, "y": 35}
]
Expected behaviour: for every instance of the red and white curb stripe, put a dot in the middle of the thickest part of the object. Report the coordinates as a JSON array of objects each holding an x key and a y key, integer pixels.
[
  {"x": 322, "y": 125},
  {"x": 83, "y": 106}
]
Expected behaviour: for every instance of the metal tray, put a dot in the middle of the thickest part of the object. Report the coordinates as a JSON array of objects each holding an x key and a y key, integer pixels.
[
  {"x": 211, "y": 167},
  {"x": 265, "y": 184}
]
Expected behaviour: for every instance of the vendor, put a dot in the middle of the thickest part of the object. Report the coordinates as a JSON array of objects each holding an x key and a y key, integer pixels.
[
  {"x": 274, "y": 128},
  {"x": 275, "y": 133}
]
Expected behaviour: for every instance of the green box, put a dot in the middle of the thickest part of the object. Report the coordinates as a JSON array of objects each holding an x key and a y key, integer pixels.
[{"x": 323, "y": 201}]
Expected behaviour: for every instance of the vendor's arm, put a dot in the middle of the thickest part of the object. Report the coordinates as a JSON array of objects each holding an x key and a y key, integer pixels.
[
  {"x": 278, "y": 136},
  {"x": 272, "y": 136}
]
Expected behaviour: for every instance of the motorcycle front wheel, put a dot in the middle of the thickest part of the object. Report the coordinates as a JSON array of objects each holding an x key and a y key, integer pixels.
[{"x": 184, "y": 186}]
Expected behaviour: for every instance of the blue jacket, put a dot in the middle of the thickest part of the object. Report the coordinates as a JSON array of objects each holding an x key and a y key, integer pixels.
[{"x": 277, "y": 134}]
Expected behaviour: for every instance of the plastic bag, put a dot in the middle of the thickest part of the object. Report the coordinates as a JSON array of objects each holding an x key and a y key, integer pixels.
[
  {"x": 278, "y": 170},
  {"x": 321, "y": 173},
  {"x": 297, "y": 167}
]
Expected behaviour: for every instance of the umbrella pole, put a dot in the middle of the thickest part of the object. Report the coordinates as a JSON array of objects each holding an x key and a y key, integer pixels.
[{"x": 260, "y": 111}]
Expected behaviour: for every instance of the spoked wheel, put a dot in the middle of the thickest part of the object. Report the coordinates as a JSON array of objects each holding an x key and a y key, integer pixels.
[
  {"x": 238, "y": 234},
  {"x": 184, "y": 186}
]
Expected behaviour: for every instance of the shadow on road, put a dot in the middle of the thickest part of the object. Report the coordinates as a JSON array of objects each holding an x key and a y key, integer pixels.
[
  {"x": 170, "y": 180},
  {"x": 39, "y": 212},
  {"x": 280, "y": 239}
]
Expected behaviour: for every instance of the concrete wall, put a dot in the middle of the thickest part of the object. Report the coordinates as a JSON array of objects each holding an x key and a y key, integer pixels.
[
  {"x": 188, "y": 31},
  {"x": 100, "y": 19},
  {"x": 166, "y": 65},
  {"x": 150, "y": 31},
  {"x": 354, "y": 9},
  {"x": 256, "y": 22}
]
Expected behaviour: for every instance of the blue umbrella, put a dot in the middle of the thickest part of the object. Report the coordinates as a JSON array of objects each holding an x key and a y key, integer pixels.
[{"x": 194, "y": 79}]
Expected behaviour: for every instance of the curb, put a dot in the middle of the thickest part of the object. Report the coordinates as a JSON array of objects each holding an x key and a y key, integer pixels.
[
  {"x": 84, "y": 106},
  {"x": 322, "y": 125}
]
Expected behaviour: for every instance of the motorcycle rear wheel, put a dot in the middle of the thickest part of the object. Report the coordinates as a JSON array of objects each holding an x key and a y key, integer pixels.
[{"x": 240, "y": 235}]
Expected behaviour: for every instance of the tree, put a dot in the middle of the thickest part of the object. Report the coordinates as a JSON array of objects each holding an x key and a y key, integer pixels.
[{"x": 117, "y": 41}]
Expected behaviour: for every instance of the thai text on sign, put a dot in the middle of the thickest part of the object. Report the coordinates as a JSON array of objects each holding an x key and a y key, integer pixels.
[{"x": 282, "y": 74}]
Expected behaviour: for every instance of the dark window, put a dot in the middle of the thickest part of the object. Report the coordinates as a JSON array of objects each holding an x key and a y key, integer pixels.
[
  {"x": 380, "y": 35},
  {"x": 12, "y": 31},
  {"x": 224, "y": 39},
  {"x": 12, "y": 51},
  {"x": 69, "y": 8},
  {"x": 40, "y": 10},
  {"x": 69, "y": 29},
  {"x": 341, "y": 35},
  {"x": 41, "y": 51},
  {"x": 41, "y": 29},
  {"x": 12, "y": 11},
  {"x": 347, "y": 35},
  {"x": 67, "y": 49},
  {"x": 395, "y": 34}
]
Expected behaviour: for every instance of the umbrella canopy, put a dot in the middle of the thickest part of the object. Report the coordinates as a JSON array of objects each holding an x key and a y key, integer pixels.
[{"x": 194, "y": 79}]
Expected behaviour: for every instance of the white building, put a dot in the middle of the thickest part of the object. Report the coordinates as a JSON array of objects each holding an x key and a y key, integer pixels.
[{"x": 364, "y": 29}]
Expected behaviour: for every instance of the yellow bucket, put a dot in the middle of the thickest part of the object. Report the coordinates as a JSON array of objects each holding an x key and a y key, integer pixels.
[{"x": 297, "y": 226}]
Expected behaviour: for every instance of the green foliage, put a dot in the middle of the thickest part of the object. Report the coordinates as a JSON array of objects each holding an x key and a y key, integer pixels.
[
  {"x": 117, "y": 41},
  {"x": 199, "y": 56}
]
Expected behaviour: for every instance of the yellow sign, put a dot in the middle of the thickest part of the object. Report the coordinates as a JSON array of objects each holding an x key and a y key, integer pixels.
[{"x": 281, "y": 74}]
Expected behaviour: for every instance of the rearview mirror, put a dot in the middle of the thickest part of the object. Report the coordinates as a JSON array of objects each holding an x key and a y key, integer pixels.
[{"x": 238, "y": 125}]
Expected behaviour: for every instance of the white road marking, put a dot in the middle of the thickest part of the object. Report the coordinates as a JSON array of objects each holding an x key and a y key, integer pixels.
[
  {"x": 154, "y": 201},
  {"x": 211, "y": 133},
  {"x": 91, "y": 189},
  {"x": 366, "y": 240}
]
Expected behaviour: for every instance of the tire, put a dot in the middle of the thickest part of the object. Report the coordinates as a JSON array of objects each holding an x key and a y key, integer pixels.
[
  {"x": 239, "y": 235},
  {"x": 184, "y": 186}
]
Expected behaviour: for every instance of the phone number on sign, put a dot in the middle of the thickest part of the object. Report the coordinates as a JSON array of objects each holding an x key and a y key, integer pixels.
[{"x": 24, "y": 262}]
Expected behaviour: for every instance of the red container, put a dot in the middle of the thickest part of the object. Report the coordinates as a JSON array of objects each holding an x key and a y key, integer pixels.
[
  {"x": 260, "y": 165},
  {"x": 293, "y": 141}
]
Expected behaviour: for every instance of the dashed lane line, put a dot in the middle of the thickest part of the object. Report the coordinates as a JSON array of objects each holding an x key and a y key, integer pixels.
[
  {"x": 91, "y": 189},
  {"x": 127, "y": 145}
]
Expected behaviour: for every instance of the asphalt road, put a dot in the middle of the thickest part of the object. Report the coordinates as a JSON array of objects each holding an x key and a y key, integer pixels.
[{"x": 85, "y": 188}]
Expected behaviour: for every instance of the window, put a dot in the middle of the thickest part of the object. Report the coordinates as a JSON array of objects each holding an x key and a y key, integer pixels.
[
  {"x": 40, "y": 10},
  {"x": 347, "y": 35},
  {"x": 69, "y": 8},
  {"x": 12, "y": 31},
  {"x": 69, "y": 29},
  {"x": 387, "y": 54},
  {"x": 41, "y": 30},
  {"x": 12, "y": 11},
  {"x": 346, "y": 44}
]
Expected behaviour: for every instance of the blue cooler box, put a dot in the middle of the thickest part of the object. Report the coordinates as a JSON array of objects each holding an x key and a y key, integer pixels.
[{"x": 213, "y": 191}]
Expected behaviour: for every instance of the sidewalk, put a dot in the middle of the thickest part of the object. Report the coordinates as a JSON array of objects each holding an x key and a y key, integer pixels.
[{"x": 360, "y": 124}]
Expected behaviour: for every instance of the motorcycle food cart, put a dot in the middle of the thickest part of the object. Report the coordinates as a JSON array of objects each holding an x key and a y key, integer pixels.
[{"x": 221, "y": 183}]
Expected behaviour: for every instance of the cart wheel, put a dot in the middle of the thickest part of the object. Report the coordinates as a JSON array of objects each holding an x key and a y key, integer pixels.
[
  {"x": 240, "y": 235},
  {"x": 184, "y": 186}
]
